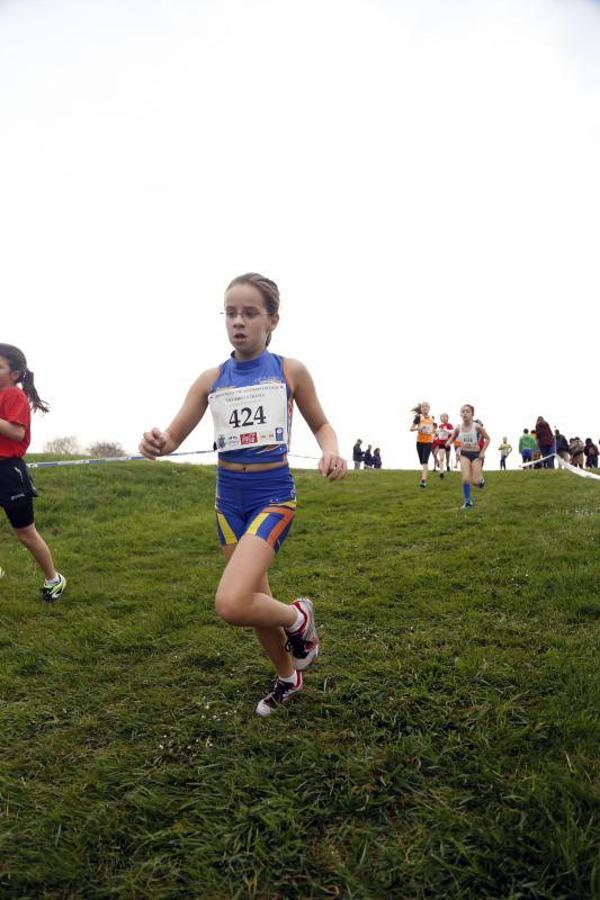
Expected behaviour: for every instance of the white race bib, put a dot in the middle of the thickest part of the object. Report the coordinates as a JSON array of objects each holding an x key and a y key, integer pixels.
[
  {"x": 247, "y": 417},
  {"x": 469, "y": 441}
]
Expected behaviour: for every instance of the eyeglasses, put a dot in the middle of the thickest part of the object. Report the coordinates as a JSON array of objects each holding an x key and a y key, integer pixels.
[{"x": 246, "y": 314}]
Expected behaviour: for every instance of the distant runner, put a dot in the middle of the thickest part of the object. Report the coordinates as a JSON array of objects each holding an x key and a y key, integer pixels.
[
  {"x": 469, "y": 433},
  {"x": 423, "y": 425}
]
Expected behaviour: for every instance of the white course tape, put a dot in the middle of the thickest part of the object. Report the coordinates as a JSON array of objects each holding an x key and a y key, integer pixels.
[
  {"x": 535, "y": 462},
  {"x": 108, "y": 459},
  {"x": 115, "y": 459},
  {"x": 583, "y": 473}
]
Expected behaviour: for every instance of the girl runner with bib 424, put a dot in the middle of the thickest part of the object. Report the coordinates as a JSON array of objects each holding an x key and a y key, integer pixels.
[{"x": 251, "y": 396}]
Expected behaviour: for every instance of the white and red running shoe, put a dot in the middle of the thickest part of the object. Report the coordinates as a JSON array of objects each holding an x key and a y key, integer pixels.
[
  {"x": 281, "y": 693},
  {"x": 304, "y": 643}
]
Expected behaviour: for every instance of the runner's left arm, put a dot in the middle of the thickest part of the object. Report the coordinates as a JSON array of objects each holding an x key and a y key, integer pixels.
[
  {"x": 332, "y": 465},
  {"x": 11, "y": 430},
  {"x": 486, "y": 440}
]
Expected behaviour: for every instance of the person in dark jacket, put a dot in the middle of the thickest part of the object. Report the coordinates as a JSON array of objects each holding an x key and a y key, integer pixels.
[
  {"x": 591, "y": 454},
  {"x": 357, "y": 453},
  {"x": 562, "y": 446},
  {"x": 376, "y": 458},
  {"x": 545, "y": 440},
  {"x": 368, "y": 458}
]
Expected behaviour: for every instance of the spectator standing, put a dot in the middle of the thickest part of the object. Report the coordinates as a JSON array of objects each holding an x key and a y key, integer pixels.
[
  {"x": 376, "y": 458},
  {"x": 576, "y": 447},
  {"x": 357, "y": 453},
  {"x": 545, "y": 440},
  {"x": 505, "y": 451},
  {"x": 527, "y": 445},
  {"x": 368, "y": 458},
  {"x": 562, "y": 445},
  {"x": 536, "y": 453},
  {"x": 591, "y": 454}
]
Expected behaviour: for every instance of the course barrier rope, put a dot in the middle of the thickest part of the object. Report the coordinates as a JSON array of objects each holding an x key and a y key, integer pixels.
[
  {"x": 109, "y": 459},
  {"x": 86, "y": 461},
  {"x": 562, "y": 464}
]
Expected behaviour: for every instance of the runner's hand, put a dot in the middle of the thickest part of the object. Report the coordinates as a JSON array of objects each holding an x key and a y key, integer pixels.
[
  {"x": 332, "y": 466},
  {"x": 153, "y": 443}
]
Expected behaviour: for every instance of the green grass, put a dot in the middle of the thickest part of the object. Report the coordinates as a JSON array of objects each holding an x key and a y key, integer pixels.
[{"x": 445, "y": 746}]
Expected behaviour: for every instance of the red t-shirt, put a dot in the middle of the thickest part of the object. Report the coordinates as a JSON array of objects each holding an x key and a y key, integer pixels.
[{"x": 14, "y": 408}]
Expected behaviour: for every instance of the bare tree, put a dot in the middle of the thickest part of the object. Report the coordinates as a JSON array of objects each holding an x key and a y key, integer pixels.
[
  {"x": 63, "y": 446},
  {"x": 105, "y": 448}
]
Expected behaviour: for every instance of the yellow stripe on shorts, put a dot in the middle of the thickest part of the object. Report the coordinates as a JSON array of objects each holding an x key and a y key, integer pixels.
[
  {"x": 257, "y": 522},
  {"x": 228, "y": 534}
]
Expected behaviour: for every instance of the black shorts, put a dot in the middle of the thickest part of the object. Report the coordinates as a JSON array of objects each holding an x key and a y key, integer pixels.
[
  {"x": 20, "y": 512},
  {"x": 16, "y": 492},
  {"x": 470, "y": 454},
  {"x": 423, "y": 451}
]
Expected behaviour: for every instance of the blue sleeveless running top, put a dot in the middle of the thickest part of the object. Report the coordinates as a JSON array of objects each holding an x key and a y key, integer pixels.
[{"x": 242, "y": 373}]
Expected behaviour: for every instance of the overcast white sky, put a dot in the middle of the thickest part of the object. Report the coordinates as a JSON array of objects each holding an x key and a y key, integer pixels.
[{"x": 420, "y": 177}]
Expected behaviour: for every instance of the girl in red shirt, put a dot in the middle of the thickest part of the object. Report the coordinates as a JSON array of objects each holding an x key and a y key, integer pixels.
[{"x": 16, "y": 488}]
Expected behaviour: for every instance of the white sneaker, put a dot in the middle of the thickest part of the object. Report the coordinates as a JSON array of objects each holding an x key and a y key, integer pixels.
[
  {"x": 281, "y": 693},
  {"x": 52, "y": 592},
  {"x": 304, "y": 644}
]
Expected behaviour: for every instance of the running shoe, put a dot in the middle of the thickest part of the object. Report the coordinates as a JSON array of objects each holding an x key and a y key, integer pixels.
[
  {"x": 481, "y": 483},
  {"x": 467, "y": 506},
  {"x": 52, "y": 592},
  {"x": 441, "y": 474},
  {"x": 304, "y": 644},
  {"x": 281, "y": 693},
  {"x": 422, "y": 483}
]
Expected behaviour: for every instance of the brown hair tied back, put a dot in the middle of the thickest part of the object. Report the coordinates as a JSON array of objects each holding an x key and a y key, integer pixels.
[
  {"x": 18, "y": 363},
  {"x": 268, "y": 290}
]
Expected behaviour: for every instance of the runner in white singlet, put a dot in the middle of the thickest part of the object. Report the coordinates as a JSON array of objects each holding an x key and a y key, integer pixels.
[{"x": 469, "y": 433}]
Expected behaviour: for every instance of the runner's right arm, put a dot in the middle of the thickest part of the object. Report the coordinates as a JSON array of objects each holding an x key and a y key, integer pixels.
[
  {"x": 160, "y": 443},
  {"x": 451, "y": 440}
]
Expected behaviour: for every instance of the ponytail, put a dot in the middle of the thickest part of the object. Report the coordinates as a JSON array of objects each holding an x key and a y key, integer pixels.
[
  {"x": 18, "y": 363},
  {"x": 34, "y": 398}
]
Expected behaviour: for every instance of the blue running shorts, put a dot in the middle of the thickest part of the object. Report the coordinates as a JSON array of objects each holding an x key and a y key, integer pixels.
[{"x": 261, "y": 503}]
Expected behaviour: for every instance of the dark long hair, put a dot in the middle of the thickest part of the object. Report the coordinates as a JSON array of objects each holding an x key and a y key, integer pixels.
[
  {"x": 18, "y": 363},
  {"x": 267, "y": 288}
]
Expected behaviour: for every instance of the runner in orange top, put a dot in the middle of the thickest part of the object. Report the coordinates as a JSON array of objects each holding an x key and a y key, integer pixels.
[{"x": 423, "y": 424}]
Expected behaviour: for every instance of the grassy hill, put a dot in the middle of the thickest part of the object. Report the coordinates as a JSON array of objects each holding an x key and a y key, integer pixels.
[{"x": 445, "y": 746}]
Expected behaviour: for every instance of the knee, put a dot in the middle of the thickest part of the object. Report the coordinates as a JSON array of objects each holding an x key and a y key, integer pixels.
[
  {"x": 231, "y": 607},
  {"x": 26, "y": 536}
]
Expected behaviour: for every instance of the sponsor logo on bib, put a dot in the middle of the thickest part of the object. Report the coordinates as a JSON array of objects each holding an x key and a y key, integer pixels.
[{"x": 251, "y": 438}]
